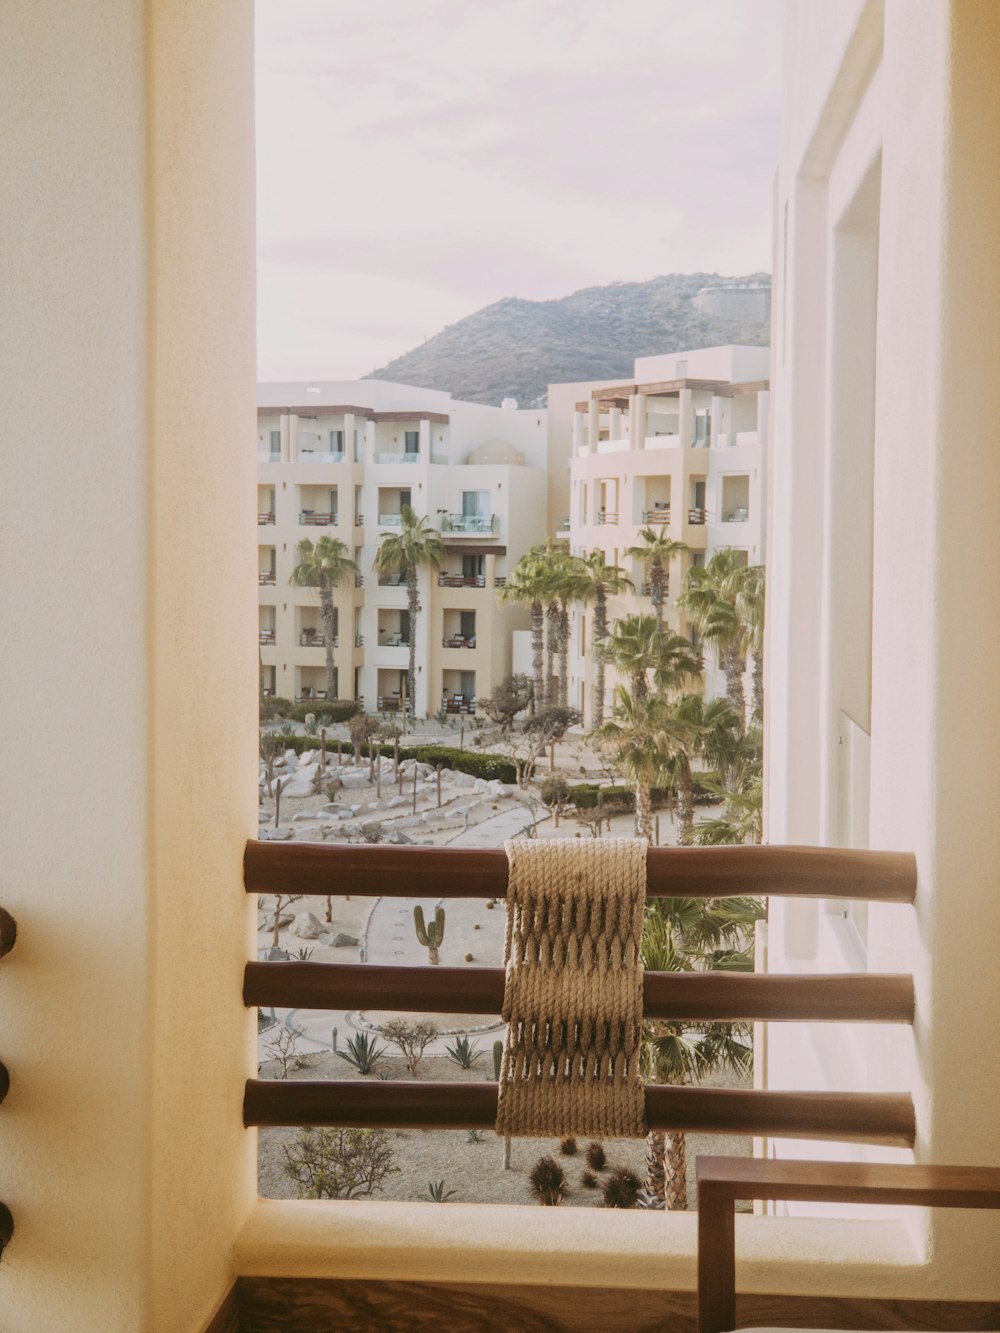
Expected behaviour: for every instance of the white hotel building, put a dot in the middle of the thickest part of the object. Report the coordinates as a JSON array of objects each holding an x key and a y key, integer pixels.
[
  {"x": 341, "y": 460},
  {"x": 681, "y": 447}
]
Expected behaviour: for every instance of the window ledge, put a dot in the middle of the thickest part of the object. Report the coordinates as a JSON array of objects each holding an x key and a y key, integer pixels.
[{"x": 591, "y": 1247}]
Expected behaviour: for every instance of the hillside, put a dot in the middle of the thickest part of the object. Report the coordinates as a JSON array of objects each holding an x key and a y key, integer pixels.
[{"x": 515, "y": 348}]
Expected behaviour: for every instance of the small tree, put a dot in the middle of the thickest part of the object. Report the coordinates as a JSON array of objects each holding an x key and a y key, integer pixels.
[
  {"x": 512, "y": 696},
  {"x": 360, "y": 729},
  {"x": 282, "y": 901},
  {"x": 555, "y": 796},
  {"x": 284, "y": 1049},
  {"x": 411, "y": 1038},
  {"x": 339, "y": 1163},
  {"x": 272, "y": 747}
]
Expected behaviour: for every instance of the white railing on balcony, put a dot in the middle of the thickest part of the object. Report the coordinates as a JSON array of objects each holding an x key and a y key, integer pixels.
[
  {"x": 320, "y": 456},
  {"x": 397, "y": 458},
  {"x": 470, "y": 523},
  {"x": 664, "y": 441},
  {"x": 390, "y": 520},
  {"x": 658, "y": 514},
  {"x": 316, "y": 640},
  {"x": 741, "y": 514},
  {"x": 605, "y": 516}
]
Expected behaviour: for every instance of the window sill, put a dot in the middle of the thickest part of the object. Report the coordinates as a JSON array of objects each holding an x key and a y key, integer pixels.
[{"x": 585, "y": 1247}]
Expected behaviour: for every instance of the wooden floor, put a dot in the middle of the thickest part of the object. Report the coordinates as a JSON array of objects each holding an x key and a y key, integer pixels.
[{"x": 273, "y": 1305}]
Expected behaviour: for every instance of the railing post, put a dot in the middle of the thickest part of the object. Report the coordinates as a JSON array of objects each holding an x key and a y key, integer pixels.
[
  {"x": 8, "y": 938},
  {"x": 716, "y": 1259}
]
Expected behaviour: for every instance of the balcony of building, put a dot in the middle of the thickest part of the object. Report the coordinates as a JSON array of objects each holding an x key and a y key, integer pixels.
[
  {"x": 654, "y": 498},
  {"x": 267, "y": 565},
  {"x": 269, "y": 446},
  {"x": 391, "y": 502},
  {"x": 471, "y": 525},
  {"x": 318, "y": 506},
  {"x": 310, "y": 629},
  {"x": 321, "y": 445},
  {"x": 266, "y": 624},
  {"x": 268, "y": 681},
  {"x": 391, "y": 686},
  {"x": 391, "y": 579},
  {"x": 735, "y": 499},
  {"x": 459, "y": 629},
  {"x": 311, "y": 684},
  {"x": 265, "y": 505},
  {"x": 393, "y": 628},
  {"x": 458, "y": 691},
  {"x": 403, "y": 447}
]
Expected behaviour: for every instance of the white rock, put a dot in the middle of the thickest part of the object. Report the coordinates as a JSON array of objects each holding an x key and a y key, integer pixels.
[
  {"x": 308, "y": 927},
  {"x": 354, "y": 777},
  {"x": 308, "y": 757},
  {"x": 310, "y": 815},
  {"x": 281, "y": 834},
  {"x": 396, "y": 802},
  {"x": 291, "y": 758},
  {"x": 460, "y": 779}
]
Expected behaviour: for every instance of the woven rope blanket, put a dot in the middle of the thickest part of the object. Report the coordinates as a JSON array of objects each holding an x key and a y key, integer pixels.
[{"x": 573, "y": 990}]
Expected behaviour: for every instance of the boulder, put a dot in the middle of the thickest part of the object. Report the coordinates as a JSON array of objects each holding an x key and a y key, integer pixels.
[
  {"x": 459, "y": 779},
  {"x": 399, "y": 837},
  {"x": 281, "y": 834},
  {"x": 353, "y": 778},
  {"x": 396, "y": 802},
  {"x": 308, "y": 757},
  {"x": 340, "y": 940},
  {"x": 308, "y": 927},
  {"x": 309, "y": 815},
  {"x": 290, "y": 758},
  {"x": 299, "y": 788},
  {"x": 285, "y": 919}
]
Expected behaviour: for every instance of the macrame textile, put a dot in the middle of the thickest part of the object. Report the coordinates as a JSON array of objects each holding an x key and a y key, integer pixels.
[{"x": 573, "y": 990}]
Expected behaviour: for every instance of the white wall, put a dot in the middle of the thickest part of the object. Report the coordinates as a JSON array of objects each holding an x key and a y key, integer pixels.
[{"x": 128, "y": 790}]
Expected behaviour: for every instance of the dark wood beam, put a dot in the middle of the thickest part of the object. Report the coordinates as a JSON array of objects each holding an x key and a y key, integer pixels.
[
  {"x": 691, "y": 872},
  {"x": 865, "y": 998}
]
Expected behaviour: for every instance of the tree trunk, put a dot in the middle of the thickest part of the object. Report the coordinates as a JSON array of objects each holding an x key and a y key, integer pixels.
[
  {"x": 675, "y": 1162},
  {"x": 600, "y": 633},
  {"x": 643, "y": 811},
  {"x": 758, "y": 686},
  {"x": 537, "y": 653},
  {"x": 328, "y": 614},
  {"x": 655, "y": 1184},
  {"x": 734, "y": 665},
  {"x": 551, "y": 643},
  {"x": 685, "y": 804},
  {"x": 563, "y": 654},
  {"x": 656, "y": 589},
  {"x": 411, "y": 672},
  {"x": 640, "y": 686}
]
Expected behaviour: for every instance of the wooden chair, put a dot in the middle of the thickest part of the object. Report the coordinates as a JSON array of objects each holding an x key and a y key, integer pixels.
[{"x": 723, "y": 1180}]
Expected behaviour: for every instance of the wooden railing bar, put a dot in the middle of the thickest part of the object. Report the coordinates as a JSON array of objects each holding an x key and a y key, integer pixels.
[
  {"x": 8, "y": 932},
  {"x": 865, "y": 998},
  {"x": 4, "y": 1081},
  {"x": 723, "y": 1180},
  {"x": 691, "y": 872},
  {"x": 6, "y": 1227},
  {"x": 886, "y": 1118}
]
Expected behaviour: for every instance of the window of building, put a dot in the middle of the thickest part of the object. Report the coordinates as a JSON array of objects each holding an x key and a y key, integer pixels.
[
  {"x": 275, "y": 445},
  {"x": 336, "y": 442},
  {"x": 412, "y": 445}
]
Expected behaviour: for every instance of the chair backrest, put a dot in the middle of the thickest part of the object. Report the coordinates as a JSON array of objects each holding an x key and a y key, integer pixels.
[{"x": 723, "y": 1180}]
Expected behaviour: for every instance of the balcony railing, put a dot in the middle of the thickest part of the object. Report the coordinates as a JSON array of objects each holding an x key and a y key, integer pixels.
[
  {"x": 500, "y": 581},
  {"x": 390, "y": 520},
  {"x": 391, "y": 581},
  {"x": 359, "y": 640},
  {"x": 267, "y": 636},
  {"x": 658, "y": 514},
  {"x": 469, "y": 523},
  {"x": 359, "y": 580},
  {"x": 266, "y": 576},
  {"x": 388, "y": 703},
  {"x": 264, "y": 519},
  {"x": 316, "y": 640},
  {"x": 392, "y": 641},
  {"x": 696, "y": 516},
  {"x": 462, "y": 581},
  {"x": 458, "y": 703},
  {"x": 711, "y": 872},
  {"x": 457, "y": 641},
  {"x": 359, "y": 520},
  {"x": 310, "y": 518},
  {"x": 740, "y": 514},
  {"x": 404, "y": 457},
  {"x": 310, "y": 696},
  {"x": 321, "y": 456},
  {"x": 606, "y": 516}
]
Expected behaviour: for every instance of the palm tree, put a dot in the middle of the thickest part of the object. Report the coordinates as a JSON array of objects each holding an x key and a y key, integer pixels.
[
  {"x": 414, "y": 546},
  {"x": 598, "y": 582},
  {"x": 569, "y": 580},
  {"x": 750, "y": 609},
  {"x": 743, "y": 821},
  {"x": 324, "y": 566},
  {"x": 636, "y": 646},
  {"x": 710, "y": 730},
  {"x": 710, "y": 600},
  {"x": 527, "y": 585},
  {"x": 656, "y": 552},
  {"x": 692, "y": 935},
  {"x": 641, "y": 736}
]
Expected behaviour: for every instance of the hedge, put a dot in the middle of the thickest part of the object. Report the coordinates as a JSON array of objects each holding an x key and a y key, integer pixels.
[
  {"x": 584, "y": 795},
  {"x": 325, "y": 711},
  {"x": 490, "y": 766}
]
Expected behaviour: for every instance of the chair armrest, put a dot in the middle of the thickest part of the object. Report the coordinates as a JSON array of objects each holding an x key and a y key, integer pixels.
[{"x": 723, "y": 1180}]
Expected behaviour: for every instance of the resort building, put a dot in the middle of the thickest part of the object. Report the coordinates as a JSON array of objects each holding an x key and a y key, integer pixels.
[
  {"x": 680, "y": 449},
  {"x": 342, "y": 460}
]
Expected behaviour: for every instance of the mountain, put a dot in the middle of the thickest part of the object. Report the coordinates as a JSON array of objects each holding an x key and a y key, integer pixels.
[{"x": 516, "y": 348}]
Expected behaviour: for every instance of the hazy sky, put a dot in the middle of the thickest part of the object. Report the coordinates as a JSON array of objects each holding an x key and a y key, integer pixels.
[{"x": 419, "y": 159}]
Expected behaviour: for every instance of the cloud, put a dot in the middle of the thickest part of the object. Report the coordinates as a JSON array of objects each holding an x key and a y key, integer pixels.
[{"x": 435, "y": 155}]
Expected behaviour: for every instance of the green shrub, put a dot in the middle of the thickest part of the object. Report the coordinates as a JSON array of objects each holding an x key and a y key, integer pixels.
[
  {"x": 584, "y": 795},
  {"x": 493, "y": 767},
  {"x": 276, "y": 707}
]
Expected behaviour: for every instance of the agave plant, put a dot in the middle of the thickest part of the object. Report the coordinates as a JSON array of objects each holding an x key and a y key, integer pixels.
[
  {"x": 436, "y": 1192},
  {"x": 363, "y": 1052},
  {"x": 464, "y": 1053}
]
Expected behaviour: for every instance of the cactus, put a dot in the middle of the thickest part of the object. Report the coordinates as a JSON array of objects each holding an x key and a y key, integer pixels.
[
  {"x": 431, "y": 936},
  {"x": 497, "y": 1059}
]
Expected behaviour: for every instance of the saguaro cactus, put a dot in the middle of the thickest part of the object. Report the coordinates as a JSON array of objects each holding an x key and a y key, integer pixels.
[{"x": 431, "y": 936}]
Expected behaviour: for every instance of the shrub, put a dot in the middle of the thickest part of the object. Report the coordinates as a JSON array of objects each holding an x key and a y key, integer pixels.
[
  {"x": 567, "y": 1145},
  {"x": 327, "y": 711},
  {"x": 493, "y": 767},
  {"x": 588, "y": 1180},
  {"x": 411, "y": 1038},
  {"x": 276, "y": 707},
  {"x": 621, "y": 1189},
  {"x": 596, "y": 1157},
  {"x": 547, "y": 1182},
  {"x": 463, "y": 1053},
  {"x": 436, "y": 1192},
  {"x": 363, "y": 1052},
  {"x": 339, "y": 1163}
]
